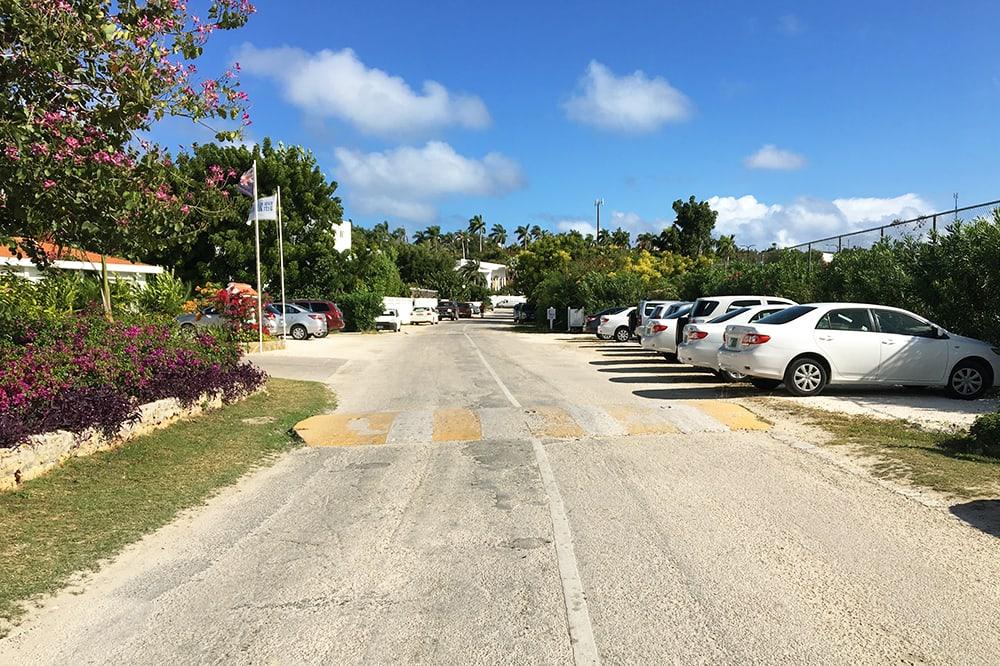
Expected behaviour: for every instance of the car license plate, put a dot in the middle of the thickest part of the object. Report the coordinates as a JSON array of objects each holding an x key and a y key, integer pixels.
[{"x": 732, "y": 342}]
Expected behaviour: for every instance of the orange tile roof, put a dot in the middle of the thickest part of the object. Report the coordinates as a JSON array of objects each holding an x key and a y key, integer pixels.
[{"x": 55, "y": 253}]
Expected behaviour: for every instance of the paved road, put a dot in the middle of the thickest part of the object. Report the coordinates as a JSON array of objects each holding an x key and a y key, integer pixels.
[{"x": 482, "y": 496}]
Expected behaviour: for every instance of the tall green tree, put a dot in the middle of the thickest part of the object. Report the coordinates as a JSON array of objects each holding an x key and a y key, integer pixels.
[
  {"x": 523, "y": 234},
  {"x": 498, "y": 234},
  {"x": 691, "y": 233},
  {"x": 222, "y": 249},
  {"x": 477, "y": 227}
]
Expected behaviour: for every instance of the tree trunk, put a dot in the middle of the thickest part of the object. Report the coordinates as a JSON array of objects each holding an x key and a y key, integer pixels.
[{"x": 106, "y": 289}]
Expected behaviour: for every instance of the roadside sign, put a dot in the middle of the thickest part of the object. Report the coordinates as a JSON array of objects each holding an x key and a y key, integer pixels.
[{"x": 550, "y": 314}]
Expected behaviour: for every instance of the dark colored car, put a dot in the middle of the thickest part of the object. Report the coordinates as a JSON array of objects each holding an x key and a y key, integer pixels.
[
  {"x": 594, "y": 320},
  {"x": 447, "y": 310},
  {"x": 524, "y": 313},
  {"x": 334, "y": 317},
  {"x": 465, "y": 310}
]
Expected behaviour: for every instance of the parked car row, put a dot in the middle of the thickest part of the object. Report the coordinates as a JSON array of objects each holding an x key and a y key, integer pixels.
[
  {"x": 302, "y": 319},
  {"x": 770, "y": 341}
]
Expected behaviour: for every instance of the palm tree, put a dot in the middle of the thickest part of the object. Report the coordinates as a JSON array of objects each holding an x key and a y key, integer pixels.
[
  {"x": 498, "y": 234},
  {"x": 645, "y": 241},
  {"x": 523, "y": 233},
  {"x": 726, "y": 248},
  {"x": 431, "y": 234},
  {"x": 536, "y": 232},
  {"x": 620, "y": 237},
  {"x": 477, "y": 226},
  {"x": 460, "y": 239}
]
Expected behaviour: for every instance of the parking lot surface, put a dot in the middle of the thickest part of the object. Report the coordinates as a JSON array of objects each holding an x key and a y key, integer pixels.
[{"x": 482, "y": 495}]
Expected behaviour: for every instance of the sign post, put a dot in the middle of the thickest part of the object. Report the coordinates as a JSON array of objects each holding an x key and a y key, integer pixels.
[{"x": 551, "y": 316}]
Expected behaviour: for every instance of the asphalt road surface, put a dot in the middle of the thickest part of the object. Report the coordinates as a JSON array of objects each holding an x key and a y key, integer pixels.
[{"x": 486, "y": 496}]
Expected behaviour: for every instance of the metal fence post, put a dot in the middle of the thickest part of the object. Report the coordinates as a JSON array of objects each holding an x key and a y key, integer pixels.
[{"x": 934, "y": 224}]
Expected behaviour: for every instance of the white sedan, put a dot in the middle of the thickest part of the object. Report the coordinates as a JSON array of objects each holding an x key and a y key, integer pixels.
[
  {"x": 661, "y": 334},
  {"x": 616, "y": 326},
  {"x": 700, "y": 342},
  {"x": 423, "y": 315},
  {"x": 810, "y": 346}
]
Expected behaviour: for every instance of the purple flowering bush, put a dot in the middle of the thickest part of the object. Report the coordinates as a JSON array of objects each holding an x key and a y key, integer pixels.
[{"x": 83, "y": 372}]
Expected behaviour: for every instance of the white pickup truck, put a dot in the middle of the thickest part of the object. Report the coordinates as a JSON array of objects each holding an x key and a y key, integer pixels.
[{"x": 389, "y": 320}]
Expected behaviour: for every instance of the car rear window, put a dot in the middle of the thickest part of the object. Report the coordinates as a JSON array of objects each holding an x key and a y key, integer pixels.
[
  {"x": 319, "y": 307},
  {"x": 787, "y": 315},
  {"x": 742, "y": 304},
  {"x": 704, "y": 308},
  {"x": 680, "y": 312},
  {"x": 729, "y": 315}
]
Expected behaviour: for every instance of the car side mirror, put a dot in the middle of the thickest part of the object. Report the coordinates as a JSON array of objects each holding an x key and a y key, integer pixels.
[{"x": 939, "y": 332}]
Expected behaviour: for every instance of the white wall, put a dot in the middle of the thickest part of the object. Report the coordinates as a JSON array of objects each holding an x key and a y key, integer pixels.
[{"x": 403, "y": 305}]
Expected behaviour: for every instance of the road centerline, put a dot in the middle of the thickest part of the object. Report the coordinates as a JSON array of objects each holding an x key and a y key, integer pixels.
[{"x": 581, "y": 630}]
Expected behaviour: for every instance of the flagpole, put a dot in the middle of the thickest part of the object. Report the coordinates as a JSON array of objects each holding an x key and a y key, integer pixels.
[
  {"x": 281, "y": 261},
  {"x": 256, "y": 232}
]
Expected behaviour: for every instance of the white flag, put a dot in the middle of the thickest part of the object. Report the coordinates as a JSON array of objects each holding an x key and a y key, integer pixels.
[{"x": 267, "y": 208}]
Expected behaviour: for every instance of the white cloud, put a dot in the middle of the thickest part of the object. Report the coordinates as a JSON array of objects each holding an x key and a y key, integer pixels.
[
  {"x": 406, "y": 182},
  {"x": 806, "y": 219},
  {"x": 774, "y": 158},
  {"x": 629, "y": 221},
  {"x": 338, "y": 84},
  {"x": 583, "y": 226},
  {"x": 630, "y": 103}
]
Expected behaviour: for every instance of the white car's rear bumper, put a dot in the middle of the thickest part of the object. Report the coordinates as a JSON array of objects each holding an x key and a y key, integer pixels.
[
  {"x": 755, "y": 361},
  {"x": 700, "y": 356}
]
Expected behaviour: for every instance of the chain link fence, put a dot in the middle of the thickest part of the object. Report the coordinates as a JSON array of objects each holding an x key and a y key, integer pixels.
[{"x": 918, "y": 228}]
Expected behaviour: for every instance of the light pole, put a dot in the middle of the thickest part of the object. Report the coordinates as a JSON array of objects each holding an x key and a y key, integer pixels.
[{"x": 598, "y": 203}]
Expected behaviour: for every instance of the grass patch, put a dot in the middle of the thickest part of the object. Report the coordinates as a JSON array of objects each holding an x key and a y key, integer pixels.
[
  {"x": 900, "y": 451},
  {"x": 90, "y": 508}
]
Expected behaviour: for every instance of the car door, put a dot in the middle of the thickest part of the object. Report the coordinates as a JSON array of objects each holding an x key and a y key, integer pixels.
[
  {"x": 911, "y": 350},
  {"x": 847, "y": 338}
]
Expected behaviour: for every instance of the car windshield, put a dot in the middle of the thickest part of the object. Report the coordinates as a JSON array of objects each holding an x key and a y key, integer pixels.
[
  {"x": 388, "y": 313},
  {"x": 729, "y": 315},
  {"x": 786, "y": 315},
  {"x": 680, "y": 312}
]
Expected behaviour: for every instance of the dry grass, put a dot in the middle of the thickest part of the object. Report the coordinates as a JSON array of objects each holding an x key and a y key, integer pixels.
[
  {"x": 900, "y": 451},
  {"x": 90, "y": 508}
]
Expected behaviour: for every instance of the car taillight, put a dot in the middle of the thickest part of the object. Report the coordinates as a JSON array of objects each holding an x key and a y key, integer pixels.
[
  {"x": 604, "y": 320},
  {"x": 659, "y": 328},
  {"x": 697, "y": 335},
  {"x": 755, "y": 338},
  {"x": 318, "y": 317}
]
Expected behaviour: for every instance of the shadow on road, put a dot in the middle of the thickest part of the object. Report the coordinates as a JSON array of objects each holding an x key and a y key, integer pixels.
[
  {"x": 659, "y": 369},
  {"x": 629, "y": 359},
  {"x": 695, "y": 393},
  {"x": 668, "y": 379},
  {"x": 984, "y": 515}
]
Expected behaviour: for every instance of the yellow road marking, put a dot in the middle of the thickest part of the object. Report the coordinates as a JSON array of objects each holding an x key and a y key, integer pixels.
[
  {"x": 735, "y": 416},
  {"x": 340, "y": 429},
  {"x": 457, "y": 425},
  {"x": 553, "y": 422},
  {"x": 640, "y": 421}
]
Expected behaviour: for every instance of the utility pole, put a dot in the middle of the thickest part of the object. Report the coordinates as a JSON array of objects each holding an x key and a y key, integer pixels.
[
  {"x": 956, "y": 206},
  {"x": 598, "y": 203}
]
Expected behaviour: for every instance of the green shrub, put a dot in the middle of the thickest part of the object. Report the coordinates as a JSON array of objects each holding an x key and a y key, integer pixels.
[
  {"x": 360, "y": 309},
  {"x": 164, "y": 294},
  {"x": 983, "y": 437}
]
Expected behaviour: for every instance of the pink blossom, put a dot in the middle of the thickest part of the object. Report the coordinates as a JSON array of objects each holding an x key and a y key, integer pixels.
[{"x": 49, "y": 184}]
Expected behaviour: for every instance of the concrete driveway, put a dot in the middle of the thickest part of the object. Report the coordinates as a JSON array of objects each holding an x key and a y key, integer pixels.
[{"x": 487, "y": 496}]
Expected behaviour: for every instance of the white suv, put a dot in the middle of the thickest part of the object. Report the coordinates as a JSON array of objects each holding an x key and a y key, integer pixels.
[
  {"x": 711, "y": 307},
  {"x": 810, "y": 346}
]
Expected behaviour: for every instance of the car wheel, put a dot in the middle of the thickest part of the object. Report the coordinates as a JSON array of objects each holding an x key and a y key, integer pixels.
[
  {"x": 299, "y": 332},
  {"x": 730, "y": 376},
  {"x": 622, "y": 334},
  {"x": 765, "y": 384},
  {"x": 805, "y": 376},
  {"x": 669, "y": 358},
  {"x": 969, "y": 380}
]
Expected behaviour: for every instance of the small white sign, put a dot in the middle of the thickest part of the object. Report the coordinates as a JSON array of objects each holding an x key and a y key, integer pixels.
[{"x": 551, "y": 314}]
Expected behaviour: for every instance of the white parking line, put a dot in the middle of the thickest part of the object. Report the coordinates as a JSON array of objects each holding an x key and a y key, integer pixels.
[{"x": 581, "y": 632}]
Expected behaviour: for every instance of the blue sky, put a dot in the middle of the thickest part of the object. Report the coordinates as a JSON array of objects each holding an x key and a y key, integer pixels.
[{"x": 796, "y": 119}]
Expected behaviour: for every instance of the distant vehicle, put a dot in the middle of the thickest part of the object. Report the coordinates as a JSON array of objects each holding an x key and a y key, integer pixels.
[
  {"x": 507, "y": 301},
  {"x": 447, "y": 310},
  {"x": 662, "y": 334},
  {"x": 299, "y": 323},
  {"x": 809, "y": 346},
  {"x": 208, "y": 316},
  {"x": 423, "y": 315},
  {"x": 591, "y": 322},
  {"x": 389, "y": 320},
  {"x": 524, "y": 313},
  {"x": 700, "y": 342},
  {"x": 710, "y": 307},
  {"x": 465, "y": 310},
  {"x": 329, "y": 309},
  {"x": 616, "y": 325}
]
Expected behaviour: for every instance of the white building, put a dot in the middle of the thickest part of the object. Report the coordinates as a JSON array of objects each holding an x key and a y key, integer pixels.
[
  {"x": 342, "y": 231},
  {"x": 495, "y": 274},
  {"x": 71, "y": 259}
]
